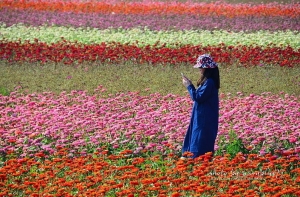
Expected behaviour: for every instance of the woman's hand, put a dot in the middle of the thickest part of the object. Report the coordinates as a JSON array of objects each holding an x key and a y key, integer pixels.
[{"x": 186, "y": 82}]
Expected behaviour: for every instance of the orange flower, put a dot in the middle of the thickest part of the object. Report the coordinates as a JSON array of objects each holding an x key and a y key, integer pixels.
[
  {"x": 176, "y": 194},
  {"x": 134, "y": 183},
  {"x": 187, "y": 154},
  {"x": 125, "y": 152},
  {"x": 138, "y": 160}
]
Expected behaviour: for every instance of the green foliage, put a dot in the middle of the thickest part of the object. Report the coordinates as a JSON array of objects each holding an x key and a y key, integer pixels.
[
  {"x": 4, "y": 91},
  {"x": 232, "y": 146},
  {"x": 143, "y": 78},
  {"x": 235, "y": 145}
]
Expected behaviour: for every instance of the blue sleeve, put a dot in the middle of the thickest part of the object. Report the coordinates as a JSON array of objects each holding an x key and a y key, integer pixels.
[{"x": 202, "y": 93}]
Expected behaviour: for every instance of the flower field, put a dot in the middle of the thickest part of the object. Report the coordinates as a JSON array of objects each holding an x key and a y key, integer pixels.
[{"x": 127, "y": 144}]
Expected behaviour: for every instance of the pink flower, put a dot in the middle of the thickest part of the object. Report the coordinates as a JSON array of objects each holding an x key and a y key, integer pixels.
[{"x": 293, "y": 139}]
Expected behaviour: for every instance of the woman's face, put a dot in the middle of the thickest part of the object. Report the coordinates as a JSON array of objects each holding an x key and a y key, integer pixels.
[{"x": 202, "y": 70}]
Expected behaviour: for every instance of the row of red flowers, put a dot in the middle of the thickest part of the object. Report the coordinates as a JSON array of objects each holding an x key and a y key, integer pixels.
[
  {"x": 123, "y": 175},
  {"x": 114, "y": 53},
  {"x": 221, "y": 9}
]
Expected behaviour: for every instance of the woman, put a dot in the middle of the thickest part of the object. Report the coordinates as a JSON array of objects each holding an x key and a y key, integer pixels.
[{"x": 202, "y": 131}]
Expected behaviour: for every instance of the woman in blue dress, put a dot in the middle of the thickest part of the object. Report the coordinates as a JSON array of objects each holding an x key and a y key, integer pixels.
[{"x": 203, "y": 128}]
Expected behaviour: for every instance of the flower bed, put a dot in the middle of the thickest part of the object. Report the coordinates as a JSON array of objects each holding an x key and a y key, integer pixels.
[
  {"x": 122, "y": 175},
  {"x": 113, "y": 53},
  {"x": 150, "y": 7},
  {"x": 82, "y": 123},
  {"x": 153, "y": 22},
  {"x": 152, "y": 32}
]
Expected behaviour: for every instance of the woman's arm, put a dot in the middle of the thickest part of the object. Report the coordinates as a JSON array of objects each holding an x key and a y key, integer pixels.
[{"x": 202, "y": 93}]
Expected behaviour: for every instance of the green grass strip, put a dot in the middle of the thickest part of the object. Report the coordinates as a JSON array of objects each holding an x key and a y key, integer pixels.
[{"x": 52, "y": 34}]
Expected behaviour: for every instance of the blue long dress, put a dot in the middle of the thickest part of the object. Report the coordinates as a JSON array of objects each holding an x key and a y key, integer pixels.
[{"x": 203, "y": 128}]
